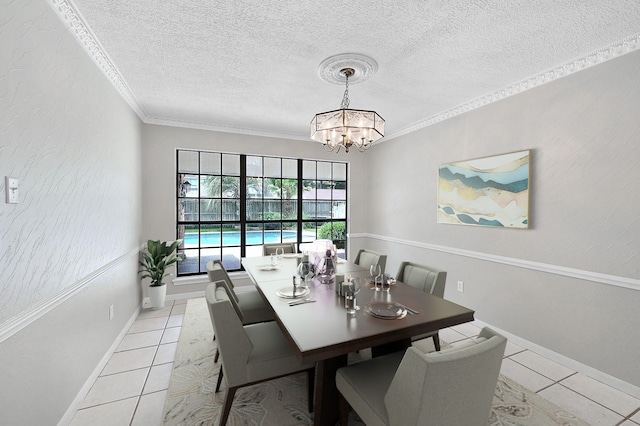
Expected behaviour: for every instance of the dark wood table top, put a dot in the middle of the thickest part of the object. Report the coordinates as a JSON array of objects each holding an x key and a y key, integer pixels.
[{"x": 323, "y": 329}]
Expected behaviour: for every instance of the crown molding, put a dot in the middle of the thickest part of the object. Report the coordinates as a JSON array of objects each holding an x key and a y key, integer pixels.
[
  {"x": 599, "y": 56},
  {"x": 69, "y": 14}
]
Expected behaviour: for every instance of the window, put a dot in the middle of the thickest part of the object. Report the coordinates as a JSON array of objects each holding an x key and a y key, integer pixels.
[{"x": 229, "y": 205}]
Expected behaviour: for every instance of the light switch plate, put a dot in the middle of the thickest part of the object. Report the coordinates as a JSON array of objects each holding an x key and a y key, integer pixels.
[{"x": 11, "y": 189}]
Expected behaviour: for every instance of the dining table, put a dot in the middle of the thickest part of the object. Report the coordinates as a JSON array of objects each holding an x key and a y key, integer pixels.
[{"x": 322, "y": 331}]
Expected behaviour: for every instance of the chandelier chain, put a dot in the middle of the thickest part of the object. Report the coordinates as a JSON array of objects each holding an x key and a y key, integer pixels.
[{"x": 345, "y": 98}]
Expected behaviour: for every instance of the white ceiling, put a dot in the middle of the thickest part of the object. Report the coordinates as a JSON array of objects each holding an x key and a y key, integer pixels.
[{"x": 250, "y": 66}]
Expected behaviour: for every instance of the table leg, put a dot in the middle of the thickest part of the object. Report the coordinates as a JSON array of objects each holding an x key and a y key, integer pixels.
[{"x": 325, "y": 410}]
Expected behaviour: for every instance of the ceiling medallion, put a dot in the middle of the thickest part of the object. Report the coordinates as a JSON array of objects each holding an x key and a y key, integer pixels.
[{"x": 345, "y": 128}]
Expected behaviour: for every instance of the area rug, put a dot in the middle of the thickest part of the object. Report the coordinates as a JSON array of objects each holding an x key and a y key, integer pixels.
[{"x": 191, "y": 398}]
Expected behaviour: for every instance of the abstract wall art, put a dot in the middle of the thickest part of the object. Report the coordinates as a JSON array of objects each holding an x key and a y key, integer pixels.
[{"x": 490, "y": 191}]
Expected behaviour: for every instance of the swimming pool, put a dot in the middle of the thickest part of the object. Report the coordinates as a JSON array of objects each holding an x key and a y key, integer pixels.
[{"x": 233, "y": 238}]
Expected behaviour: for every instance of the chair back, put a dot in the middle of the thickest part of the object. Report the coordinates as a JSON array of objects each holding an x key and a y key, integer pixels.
[
  {"x": 216, "y": 272},
  {"x": 233, "y": 343},
  {"x": 366, "y": 258},
  {"x": 428, "y": 279},
  {"x": 451, "y": 387},
  {"x": 269, "y": 249}
]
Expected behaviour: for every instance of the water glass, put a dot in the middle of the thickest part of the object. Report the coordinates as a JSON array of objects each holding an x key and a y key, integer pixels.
[
  {"x": 378, "y": 283},
  {"x": 274, "y": 261},
  {"x": 279, "y": 253},
  {"x": 386, "y": 284},
  {"x": 350, "y": 301}
]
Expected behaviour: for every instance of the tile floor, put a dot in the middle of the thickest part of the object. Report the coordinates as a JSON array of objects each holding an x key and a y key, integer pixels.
[{"x": 133, "y": 385}]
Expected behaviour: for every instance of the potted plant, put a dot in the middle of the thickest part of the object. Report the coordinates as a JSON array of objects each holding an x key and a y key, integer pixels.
[{"x": 154, "y": 263}]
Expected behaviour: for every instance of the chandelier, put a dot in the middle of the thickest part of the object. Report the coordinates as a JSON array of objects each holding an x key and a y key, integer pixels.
[{"x": 344, "y": 127}]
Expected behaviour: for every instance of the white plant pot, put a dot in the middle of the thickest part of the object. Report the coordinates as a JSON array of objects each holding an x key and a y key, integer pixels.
[{"x": 157, "y": 296}]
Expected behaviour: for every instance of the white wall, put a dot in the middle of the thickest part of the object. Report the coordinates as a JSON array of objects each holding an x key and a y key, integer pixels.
[
  {"x": 570, "y": 283},
  {"x": 69, "y": 248},
  {"x": 159, "y": 179}
]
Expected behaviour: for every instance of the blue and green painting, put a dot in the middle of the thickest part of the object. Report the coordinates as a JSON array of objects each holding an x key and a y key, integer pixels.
[{"x": 490, "y": 191}]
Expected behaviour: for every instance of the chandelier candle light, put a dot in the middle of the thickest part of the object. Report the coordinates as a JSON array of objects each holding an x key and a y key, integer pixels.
[{"x": 346, "y": 127}]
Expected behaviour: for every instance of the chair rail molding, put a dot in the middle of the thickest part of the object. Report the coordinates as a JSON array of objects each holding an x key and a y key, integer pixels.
[
  {"x": 15, "y": 324},
  {"x": 613, "y": 280}
]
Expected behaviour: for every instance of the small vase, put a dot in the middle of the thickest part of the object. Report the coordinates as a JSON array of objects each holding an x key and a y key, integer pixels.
[{"x": 157, "y": 294}]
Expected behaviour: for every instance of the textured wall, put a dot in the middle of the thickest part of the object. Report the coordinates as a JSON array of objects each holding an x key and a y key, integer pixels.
[
  {"x": 583, "y": 132},
  {"x": 74, "y": 145}
]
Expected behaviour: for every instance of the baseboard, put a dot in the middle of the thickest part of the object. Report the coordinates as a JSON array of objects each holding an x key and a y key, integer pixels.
[
  {"x": 598, "y": 375},
  {"x": 71, "y": 411}
]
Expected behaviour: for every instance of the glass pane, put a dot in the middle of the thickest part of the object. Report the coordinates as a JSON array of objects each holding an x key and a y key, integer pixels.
[
  {"x": 206, "y": 255},
  {"x": 188, "y": 210},
  {"x": 231, "y": 258},
  {"x": 324, "y": 210},
  {"x": 210, "y": 163},
  {"x": 289, "y": 232},
  {"x": 308, "y": 231},
  {"x": 272, "y": 233},
  {"x": 308, "y": 169},
  {"x": 231, "y": 164},
  {"x": 289, "y": 189},
  {"x": 189, "y": 236},
  {"x": 210, "y": 210},
  {"x": 230, "y": 210},
  {"x": 254, "y": 234},
  {"x": 289, "y": 168},
  {"x": 339, "y": 193},
  {"x": 254, "y": 187},
  {"x": 188, "y": 185},
  {"x": 189, "y": 265},
  {"x": 271, "y": 188},
  {"x": 272, "y": 167},
  {"x": 339, "y": 171},
  {"x": 210, "y": 186},
  {"x": 187, "y": 161},
  {"x": 339, "y": 210},
  {"x": 308, "y": 209},
  {"x": 231, "y": 235},
  {"x": 290, "y": 209},
  {"x": 309, "y": 189},
  {"x": 210, "y": 236},
  {"x": 230, "y": 187},
  {"x": 324, "y": 171},
  {"x": 254, "y": 166},
  {"x": 323, "y": 191},
  {"x": 254, "y": 209},
  {"x": 272, "y": 210}
]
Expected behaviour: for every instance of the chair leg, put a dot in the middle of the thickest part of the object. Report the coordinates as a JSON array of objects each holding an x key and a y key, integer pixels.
[
  {"x": 343, "y": 411},
  {"x": 311, "y": 378},
  {"x": 215, "y": 359},
  {"x": 219, "y": 380},
  {"x": 436, "y": 341},
  {"x": 228, "y": 400}
]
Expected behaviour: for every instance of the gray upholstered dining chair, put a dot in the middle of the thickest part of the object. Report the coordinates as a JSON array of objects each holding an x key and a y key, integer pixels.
[
  {"x": 269, "y": 249},
  {"x": 428, "y": 279},
  {"x": 366, "y": 258},
  {"x": 452, "y": 387},
  {"x": 251, "y": 306},
  {"x": 251, "y": 354}
]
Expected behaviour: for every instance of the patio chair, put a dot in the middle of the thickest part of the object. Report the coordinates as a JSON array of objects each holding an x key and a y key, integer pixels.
[{"x": 269, "y": 249}]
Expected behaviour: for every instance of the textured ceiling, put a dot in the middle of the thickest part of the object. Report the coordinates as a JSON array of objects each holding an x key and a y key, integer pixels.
[{"x": 251, "y": 66}]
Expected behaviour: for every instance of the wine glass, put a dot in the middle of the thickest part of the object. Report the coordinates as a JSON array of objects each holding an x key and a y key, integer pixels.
[
  {"x": 279, "y": 253},
  {"x": 375, "y": 272}
]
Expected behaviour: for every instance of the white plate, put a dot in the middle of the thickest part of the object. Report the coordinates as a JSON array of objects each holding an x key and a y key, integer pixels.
[
  {"x": 287, "y": 292},
  {"x": 268, "y": 267},
  {"x": 385, "y": 310}
]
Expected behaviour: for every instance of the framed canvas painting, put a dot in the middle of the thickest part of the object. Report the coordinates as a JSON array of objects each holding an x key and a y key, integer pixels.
[{"x": 490, "y": 191}]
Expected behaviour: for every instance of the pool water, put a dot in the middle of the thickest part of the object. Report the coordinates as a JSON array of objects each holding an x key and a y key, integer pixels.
[{"x": 233, "y": 238}]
